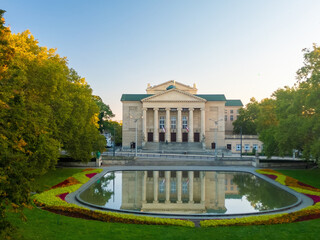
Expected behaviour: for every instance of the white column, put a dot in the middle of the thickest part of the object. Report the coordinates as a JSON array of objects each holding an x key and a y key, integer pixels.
[
  {"x": 202, "y": 124},
  {"x": 167, "y": 177},
  {"x": 144, "y": 187},
  {"x": 155, "y": 186},
  {"x": 190, "y": 175},
  {"x": 179, "y": 126},
  {"x": 179, "y": 186},
  {"x": 144, "y": 125},
  {"x": 168, "y": 132},
  {"x": 203, "y": 186},
  {"x": 155, "y": 125},
  {"x": 190, "y": 134}
]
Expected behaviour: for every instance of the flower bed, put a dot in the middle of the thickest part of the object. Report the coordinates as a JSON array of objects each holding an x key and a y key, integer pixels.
[
  {"x": 54, "y": 200},
  {"x": 311, "y": 212}
]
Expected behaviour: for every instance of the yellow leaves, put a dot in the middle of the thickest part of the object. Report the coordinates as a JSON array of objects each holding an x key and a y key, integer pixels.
[
  {"x": 26, "y": 46},
  {"x": 94, "y": 120},
  {"x": 82, "y": 82},
  {"x": 14, "y": 206},
  {"x": 20, "y": 145},
  {"x": 308, "y": 112},
  {"x": 3, "y": 137}
]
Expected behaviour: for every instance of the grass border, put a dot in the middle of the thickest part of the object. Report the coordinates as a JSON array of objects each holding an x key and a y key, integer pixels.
[
  {"x": 51, "y": 200},
  {"x": 307, "y": 213}
]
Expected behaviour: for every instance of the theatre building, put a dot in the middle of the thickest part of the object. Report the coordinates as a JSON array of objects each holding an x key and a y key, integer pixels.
[{"x": 173, "y": 115}]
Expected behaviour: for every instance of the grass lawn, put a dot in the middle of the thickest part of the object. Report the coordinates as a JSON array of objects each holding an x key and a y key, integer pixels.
[
  {"x": 52, "y": 178},
  {"x": 46, "y": 225}
]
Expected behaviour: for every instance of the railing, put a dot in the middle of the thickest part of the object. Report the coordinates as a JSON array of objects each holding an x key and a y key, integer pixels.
[{"x": 179, "y": 156}]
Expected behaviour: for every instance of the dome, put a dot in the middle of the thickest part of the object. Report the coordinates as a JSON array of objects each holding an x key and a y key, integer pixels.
[{"x": 171, "y": 87}]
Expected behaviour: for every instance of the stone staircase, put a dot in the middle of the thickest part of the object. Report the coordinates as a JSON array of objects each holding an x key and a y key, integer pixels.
[{"x": 174, "y": 147}]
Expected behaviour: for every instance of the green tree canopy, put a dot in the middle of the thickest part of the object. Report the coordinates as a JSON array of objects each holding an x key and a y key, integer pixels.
[
  {"x": 290, "y": 118},
  {"x": 105, "y": 114},
  {"x": 247, "y": 119},
  {"x": 114, "y": 127},
  {"x": 45, "y": 107}
]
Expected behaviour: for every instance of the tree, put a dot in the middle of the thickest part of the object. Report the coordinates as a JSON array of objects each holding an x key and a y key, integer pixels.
[
  {"x": 115, "y": 127},
  {"x": 309, "y": 92},
  {"x": 105, "y": 114},
  {"x": 44, "y": 107},
  {"x": 290, "y": 119},
  {"x": 247, "y": 119}
]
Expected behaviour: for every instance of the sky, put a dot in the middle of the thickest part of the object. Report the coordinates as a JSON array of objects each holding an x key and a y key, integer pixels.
[{"x": 242, "y": 49}]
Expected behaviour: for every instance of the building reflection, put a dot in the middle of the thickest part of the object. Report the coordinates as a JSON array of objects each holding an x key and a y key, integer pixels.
[{"x": 189, "y": 192}]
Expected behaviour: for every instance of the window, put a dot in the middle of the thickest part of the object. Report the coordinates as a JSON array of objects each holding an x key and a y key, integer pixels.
[
  {"x": 231, "y": 111},
  {"x": 161, "y": 174},
  {"x": 173, "y": 122},
  {"x": 184, "y": 174},
  {"x": 184, "y": 122},
  {"x": 161, "y": 186},
  {"x": 225, "y": 111},
  {"x": 255, "y": 146},
  {"x": 231, "y": 117},
  {"x": 226, "y": 117},
  {"x": 184, "y": 187},
  {"x": 238, "y": 148},
  {"x": 246, "y": 147},
  {"x": 173, "y": 188},
  {"x": 161, "y": 123}
]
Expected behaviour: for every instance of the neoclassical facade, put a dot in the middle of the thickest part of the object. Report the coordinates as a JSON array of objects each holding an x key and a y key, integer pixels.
[
  {"x": 177, "y": 191},
  {"x": 173, "y": 112}
]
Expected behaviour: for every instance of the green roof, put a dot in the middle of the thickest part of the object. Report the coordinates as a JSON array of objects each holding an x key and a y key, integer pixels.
[
  {"x": 216, "y": 210},
  {"x": 234, "y": 103},
  {"x": 134, "y": 97},
  {"x": 208, "y": 97},
  {"x": 212, "y": 97},
  {"x": 233, "y": 196}
]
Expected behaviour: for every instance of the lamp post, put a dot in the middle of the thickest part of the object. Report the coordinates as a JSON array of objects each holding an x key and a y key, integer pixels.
[
  {"x": 215, "y": 137},
  {"x": 136, "y": 145},
  {"x": 114, "y": 141},
  {"x": 240, "y": 141},
  {"x": 136, "y": 137}
]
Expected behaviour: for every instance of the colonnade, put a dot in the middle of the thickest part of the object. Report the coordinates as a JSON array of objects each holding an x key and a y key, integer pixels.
[
  {"x": 178, "y": 186},
  {"x": 168, "y": 124}
]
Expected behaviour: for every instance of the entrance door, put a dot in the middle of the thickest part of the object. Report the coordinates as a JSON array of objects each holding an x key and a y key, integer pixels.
[
  {"x": 184, "y": 137},
  {"x": 213, "y": 145},
  {"x": 150, "y": 136},
  {"x": 161, "y": 137},
  {"x": 173, "y": 137},
  {"x": 196, "y": 137}
]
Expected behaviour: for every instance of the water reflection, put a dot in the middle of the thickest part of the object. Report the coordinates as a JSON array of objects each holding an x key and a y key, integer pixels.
[
  {"x": 100, "y": 193},
  {"x": 187, "y": 192},
  {"x": 262, "y": 195}
]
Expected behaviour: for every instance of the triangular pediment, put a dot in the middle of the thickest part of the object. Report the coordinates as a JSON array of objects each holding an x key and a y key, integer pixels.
[
  {"x": 173, "y": 95},
  {"x": 163, "y": 87}
]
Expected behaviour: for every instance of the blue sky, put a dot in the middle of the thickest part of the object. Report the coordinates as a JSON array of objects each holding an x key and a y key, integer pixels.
[{"x": 242, "y": 49}]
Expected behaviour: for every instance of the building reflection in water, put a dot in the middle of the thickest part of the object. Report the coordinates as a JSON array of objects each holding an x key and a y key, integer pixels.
[{"x": 188, "y": 192}]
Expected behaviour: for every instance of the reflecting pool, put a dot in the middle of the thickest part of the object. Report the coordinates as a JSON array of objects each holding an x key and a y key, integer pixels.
[{"x": 186, "y": 192}]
